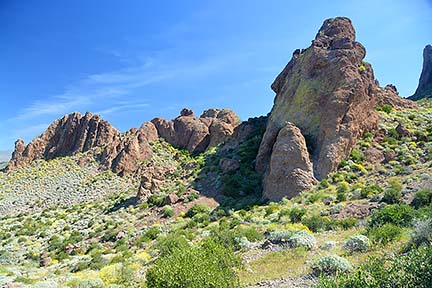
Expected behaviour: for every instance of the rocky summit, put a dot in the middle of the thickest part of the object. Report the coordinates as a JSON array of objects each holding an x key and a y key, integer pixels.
[
  {"x": 424, "y": 89},
  {"x": 122, "y": 152},
  {"x": 330, "y": 94},
  {"x": 332, "y": 188}
]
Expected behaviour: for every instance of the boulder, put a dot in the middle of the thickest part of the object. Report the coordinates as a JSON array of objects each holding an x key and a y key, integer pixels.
[
  {"x": 290, "y": 170},
  {"x": 212, "y": 128}
]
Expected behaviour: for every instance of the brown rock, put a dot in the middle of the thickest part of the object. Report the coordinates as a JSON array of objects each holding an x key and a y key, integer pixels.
[
  {"x": 76, "y": 133},
  {"x": 186, "y": 112},
  {"x": 212, "y": 128},
  {"x": 389, "y": 96},
  {"x": 403, "y": 131},
  {"x": 71, "y": 134},
  {"x": 172, "y": 198},
  {"x": 374, "y": 155},
  {"x": 290, "y": 170},
  {"x": 424, "y": 88},
  {"x": 329, "y": 93},
  {"x": 389, "y": 156},
  {"x": 228, "y": 165}
]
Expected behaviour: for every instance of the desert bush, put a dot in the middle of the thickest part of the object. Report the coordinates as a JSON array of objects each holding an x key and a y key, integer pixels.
[
  {"x": 422, "y": 233},
  {"x": 411, "y": 270},
  {"x": 357, "y": 243},
  {"x": 385, "y": 108},
  {"x": 331, "y": 264},
  {"x": 207, "y": 265},
  {"x": 167, "y": 211},
  {"x": 302, "y": 239},
  {"x": 422, "y": 198},
  {"x": 296, "y": 214},
  {"x": 279, "y": 236},
  {"x": 346, "y": 223},
  {"x": 316, "y": 223},
  {"x": 384, "y": 234},
  {"x": 397, "y": 214},
  {"x": 393, "y": 193},
  {"x": 196, "y": 209}
]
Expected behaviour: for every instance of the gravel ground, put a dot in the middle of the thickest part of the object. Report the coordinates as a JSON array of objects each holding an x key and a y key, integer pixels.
[{"x": 303, "y": 282}]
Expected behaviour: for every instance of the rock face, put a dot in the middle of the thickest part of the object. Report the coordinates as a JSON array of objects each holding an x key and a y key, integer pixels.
[
  {"x": 329, "y": 93},
  {"x": 389, "y": 96},
  {"x": 212, "y": 128},
  {"x": 424, "y": 89},
  {"x": 123, "y": 153},
  {"x": 75, "y": 133},
  {"x": 290, "y": 170},
  {"x": 71, "y": 134}
]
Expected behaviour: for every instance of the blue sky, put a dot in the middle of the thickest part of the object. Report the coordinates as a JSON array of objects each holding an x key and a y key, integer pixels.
[{"x": 131, "y": 61}]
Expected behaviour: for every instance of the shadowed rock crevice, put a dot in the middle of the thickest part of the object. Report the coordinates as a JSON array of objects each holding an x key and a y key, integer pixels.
[{"x": 424, "y": 89}]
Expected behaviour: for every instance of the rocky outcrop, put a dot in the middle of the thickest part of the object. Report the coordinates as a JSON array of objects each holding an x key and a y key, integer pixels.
[
  {"x": 123, "y": 153},
  {"x": 390, "y": 96},
  {"x": 330, "y": 94},
  {"x": 66, "y": 136},
  {"x": 212, "y": 128},
  {"x": 290, "y": 170},
  {"x": 424, "y": 89},
  {"x": 76, "y": 133}
]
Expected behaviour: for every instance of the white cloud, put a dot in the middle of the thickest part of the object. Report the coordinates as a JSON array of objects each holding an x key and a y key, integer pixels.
[{"x": 112, "y": 85}]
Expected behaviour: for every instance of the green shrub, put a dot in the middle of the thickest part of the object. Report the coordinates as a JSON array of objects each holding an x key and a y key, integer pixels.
[
  {"x": 393, "y": 194},
  {"x": 151, "y": 234},
  {"x": 422, "y": 233},
  {"x": 207, "y": 265},
  {"x": 331, "y": 264},
  {"x": 167, "y": 211},
  {"x": 156, "y": 200},
  {"x": 296, "y": 214},
  {"x": 357, "y": 243},
  {"x": 397, "y": 214},
  {"x": 302, "y": 239},
  {"x": 341, "y": 196},
  {"x": 316, "y": 223},
  {"x": 422, "y": 198},
  {"x": 411, "y": 270},
  {"x": 197, "y": 208},
  {"x": 346, "y": 223},
  {"x": 384, "y": 234},
  {"x": 385, "y": 108}
]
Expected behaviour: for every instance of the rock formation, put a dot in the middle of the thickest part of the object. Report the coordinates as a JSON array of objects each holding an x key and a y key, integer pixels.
[
  {"x": 424, "y": 89},
  {"x": 330, "y": 94},
  {"x": 390, "y": 96},
  {"x": 123, "y": 152},
  {"x": 66, "y": 136},
  {"x": 290, "y": 170},
  {"x": 212, "y": 128}
]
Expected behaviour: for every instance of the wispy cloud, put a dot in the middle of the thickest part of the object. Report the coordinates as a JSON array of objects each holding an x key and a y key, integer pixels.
[
  {"x": 112, "y": 85},
  {"x": 134, "y": 107}
]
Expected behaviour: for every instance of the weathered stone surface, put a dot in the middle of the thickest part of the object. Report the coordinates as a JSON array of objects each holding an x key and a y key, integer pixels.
[
  {"x": 389, "y": 96},
  {"x": 76, "y": 133},
  {"x": 329, "y": 93},
  {"x": 66, "y": 136},
  {"x": 424, "y": 89},
  {"x": 290, "y": 170},
  {"x": 212, "y": 128},
  {"x": 403, "y": 131}
]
